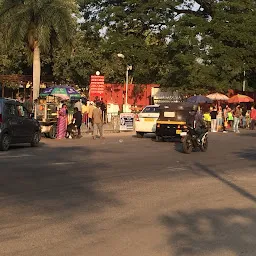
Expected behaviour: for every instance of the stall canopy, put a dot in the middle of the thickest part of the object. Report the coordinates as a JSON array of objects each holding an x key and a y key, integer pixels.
[
  {"x": 199, "y": 99},
  {"x": 239, "y": 98},
  {"x": 64, "y": 92},
  {"x": 218, "y": 97}
]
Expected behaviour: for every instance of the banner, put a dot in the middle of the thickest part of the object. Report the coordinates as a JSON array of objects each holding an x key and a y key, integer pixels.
[
  {"x": 126, "y": 122},
  {"x": 97, "y": 86}
]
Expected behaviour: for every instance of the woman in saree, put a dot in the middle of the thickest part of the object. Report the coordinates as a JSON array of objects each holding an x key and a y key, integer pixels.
[{"x": 62, "y": 122}]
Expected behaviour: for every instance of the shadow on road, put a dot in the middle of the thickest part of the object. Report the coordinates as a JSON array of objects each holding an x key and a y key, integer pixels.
[
  {"x": 249, "y": 154},
  {"x": 232, "y": 185},
  {"x": 53, "y": 181},
  {"x": 212, "y": 232}
]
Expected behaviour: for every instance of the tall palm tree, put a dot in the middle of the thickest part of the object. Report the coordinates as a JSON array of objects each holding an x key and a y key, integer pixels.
[{"x": 40, "y": 24}]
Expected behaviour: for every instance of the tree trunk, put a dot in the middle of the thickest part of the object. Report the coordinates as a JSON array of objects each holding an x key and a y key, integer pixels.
[
  {"x": 36, "y": 71},
  {"x": 3, "y": 90}
]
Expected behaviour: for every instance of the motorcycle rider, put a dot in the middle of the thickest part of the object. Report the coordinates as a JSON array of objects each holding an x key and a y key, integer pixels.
[{"x": 196, "y": 121}]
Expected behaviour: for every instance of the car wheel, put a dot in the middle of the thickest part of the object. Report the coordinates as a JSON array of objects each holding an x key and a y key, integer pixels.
[
  {"x": 53, "y": 132},
  {"x": 35, "y": 139},
  {"x": 140, "y": 134},
  {"x": 5, "y": 142}
]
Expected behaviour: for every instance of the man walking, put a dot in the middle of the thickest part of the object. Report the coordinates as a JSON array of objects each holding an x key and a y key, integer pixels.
[
  {"x": 90, "y": 111},
  {"x": 253, "y": 117},
  {"x": 237, "y": 117},
  {"x": 77, "y": 119},
  {"x": 78, "y": 105},
  {"x": 97, "y": 121},
  {"x": 213, "y": 114}
]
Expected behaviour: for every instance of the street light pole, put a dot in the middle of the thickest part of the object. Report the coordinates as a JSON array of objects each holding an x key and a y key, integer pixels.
[
  {"x": 128, "y": 67},
  {"x": 126, "y": 87}
]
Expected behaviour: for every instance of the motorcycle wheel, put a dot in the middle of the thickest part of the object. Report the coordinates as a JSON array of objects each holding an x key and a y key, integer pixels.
[
  {"x": 187, "y": 145},
  {"x": 204, "y": 144}
]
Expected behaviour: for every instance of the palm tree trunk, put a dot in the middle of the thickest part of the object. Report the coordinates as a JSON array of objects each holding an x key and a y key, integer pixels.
[{"x": 36, "y": 71}]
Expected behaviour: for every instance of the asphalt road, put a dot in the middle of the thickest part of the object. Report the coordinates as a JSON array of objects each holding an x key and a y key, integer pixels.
[{"x": 124, "y": 196}]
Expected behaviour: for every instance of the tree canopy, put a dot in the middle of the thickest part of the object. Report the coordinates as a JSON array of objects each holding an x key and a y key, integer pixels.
[{"x": 196, "y": 46}]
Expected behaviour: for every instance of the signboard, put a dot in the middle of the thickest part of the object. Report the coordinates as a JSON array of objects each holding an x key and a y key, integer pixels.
[
  {"x": 126, "y": 122},
  {"x": 97, "y": 86},
  {"x": 165, "y": 96}
]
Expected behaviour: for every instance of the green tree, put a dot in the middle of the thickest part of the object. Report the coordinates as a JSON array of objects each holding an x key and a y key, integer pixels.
[{"x": 41, "y": 24}]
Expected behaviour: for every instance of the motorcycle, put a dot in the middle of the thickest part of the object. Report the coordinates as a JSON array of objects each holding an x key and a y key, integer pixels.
[{"x": 191, "y": 140}]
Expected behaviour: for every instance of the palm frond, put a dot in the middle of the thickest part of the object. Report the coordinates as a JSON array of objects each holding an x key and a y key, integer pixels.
[{"x": 38, "y": 20}]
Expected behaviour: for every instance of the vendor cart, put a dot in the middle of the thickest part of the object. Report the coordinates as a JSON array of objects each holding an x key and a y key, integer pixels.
[{"x": 46, "y": 112}]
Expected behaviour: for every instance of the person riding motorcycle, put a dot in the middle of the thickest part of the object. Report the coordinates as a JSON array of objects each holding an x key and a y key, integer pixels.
[{"x": 196, "y": 121}]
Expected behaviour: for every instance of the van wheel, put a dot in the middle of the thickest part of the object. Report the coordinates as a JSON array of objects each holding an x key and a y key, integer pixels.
[
  {"x": 5, "y": 142},
  {"x": 53, "y": 132},
  {"x": 35, "y": 140},
  {"x": 140, "y": 134}
]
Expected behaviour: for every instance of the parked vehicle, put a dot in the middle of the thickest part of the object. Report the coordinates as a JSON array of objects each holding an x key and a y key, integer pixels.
[
  {"x": 192, "y": 140},
  {"x": 145, "y": 121},
  {"x": 17, "y": 125},
  {"x": 172, "y": 120}
]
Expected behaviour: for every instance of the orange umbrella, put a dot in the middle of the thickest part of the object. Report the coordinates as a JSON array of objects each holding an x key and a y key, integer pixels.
[{"x": 240, "y": 98}]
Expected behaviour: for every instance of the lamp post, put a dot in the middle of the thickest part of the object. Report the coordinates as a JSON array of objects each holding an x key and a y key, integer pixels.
[{"x": 128, "y": 67}]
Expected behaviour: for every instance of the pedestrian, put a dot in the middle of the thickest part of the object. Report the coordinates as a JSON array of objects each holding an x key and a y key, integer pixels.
[
  {"x": 78, "y": 105},
  {"x": 248, "y": 119},
  {"x": 28, "y": 104},
  {"x": 85, "y": 113},
  {"x": 219, "y": 118},
  {"x": 77, "y": 120},
  {"x": 62, "y": 122},
  {"x": 90, "y": 111},
  {"x": 237, "y": 116},
  {"x": 253, "y": 118},
  {"x": 213, "y": 114},
  {"x": 243, "y": 117},
  {"x": 97, "y": 121},
  {"x": 207, "y": 119},
  {"x": 230, "y": 117}
]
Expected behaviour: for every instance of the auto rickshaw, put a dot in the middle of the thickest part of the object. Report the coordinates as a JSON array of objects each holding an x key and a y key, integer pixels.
[{"x": 172, "y": 120}]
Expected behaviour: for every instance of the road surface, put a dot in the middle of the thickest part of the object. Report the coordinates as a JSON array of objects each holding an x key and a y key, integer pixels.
[{"x": 124, "y": 196}]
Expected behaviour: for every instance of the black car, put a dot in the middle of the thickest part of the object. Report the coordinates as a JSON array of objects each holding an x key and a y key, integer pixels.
[{"x": 17, "y": 125}]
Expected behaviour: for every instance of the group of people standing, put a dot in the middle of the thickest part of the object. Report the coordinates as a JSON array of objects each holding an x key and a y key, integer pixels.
[
  {"x": 90, "y": 114},
  {"x": 220, "y": 119}
]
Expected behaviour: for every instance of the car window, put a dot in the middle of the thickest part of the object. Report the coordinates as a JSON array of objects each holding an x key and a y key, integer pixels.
[
  {"x": 150, "y": 110},
  {"x": 22, "y": 111},
  {"x": 10, "y": 110}
]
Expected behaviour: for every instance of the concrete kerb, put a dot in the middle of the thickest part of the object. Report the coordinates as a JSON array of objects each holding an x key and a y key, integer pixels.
[{"x": 108, "y": 129}]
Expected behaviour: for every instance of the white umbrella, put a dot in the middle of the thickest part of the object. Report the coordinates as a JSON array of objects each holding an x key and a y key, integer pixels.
[{"x": 218, "y": 96}]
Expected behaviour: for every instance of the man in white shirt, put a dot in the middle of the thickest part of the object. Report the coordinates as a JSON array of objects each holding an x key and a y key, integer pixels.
[{"x": 78, "y": 105}]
